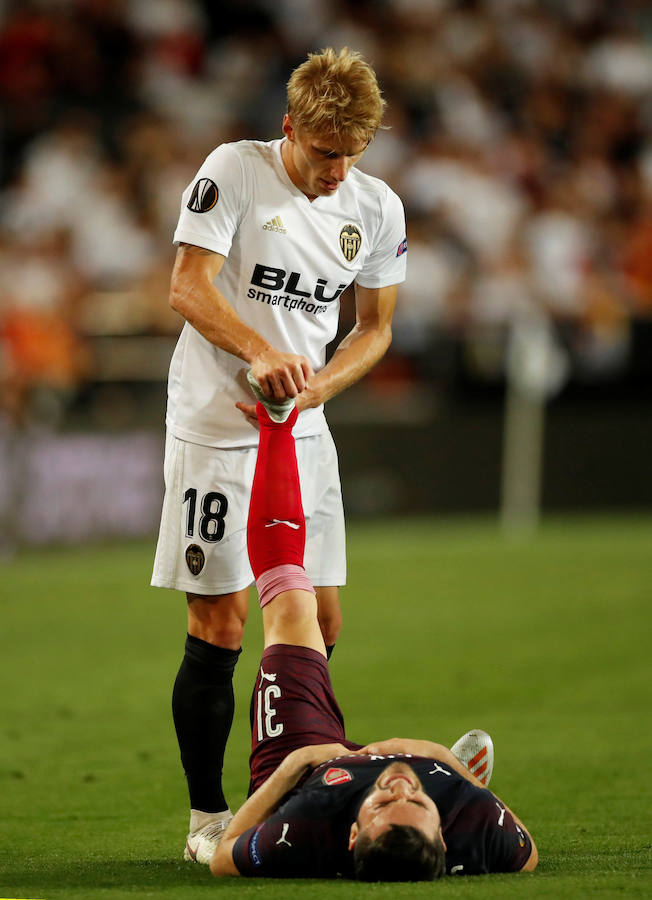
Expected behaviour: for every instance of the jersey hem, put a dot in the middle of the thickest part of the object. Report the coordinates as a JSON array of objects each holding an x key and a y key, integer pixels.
[
  {"x": 199, "y": 240},
  {"x": 339, "y": 581},
  {"x": 205, "y": 440},
  {"x": 376, "y": 283},
  {"x": 216, "y": 590},
  {"x": 202, "y": 590}
]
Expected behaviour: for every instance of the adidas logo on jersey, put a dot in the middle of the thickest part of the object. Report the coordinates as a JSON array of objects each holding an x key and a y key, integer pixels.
[{"x": 275, "y": 224}]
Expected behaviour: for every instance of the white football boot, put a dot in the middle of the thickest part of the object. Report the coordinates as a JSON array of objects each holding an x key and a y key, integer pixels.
[
  {"x": 475, "y": 750},
  {"x": 278, "y": 410},
  {"x": 206, "y": 831}
]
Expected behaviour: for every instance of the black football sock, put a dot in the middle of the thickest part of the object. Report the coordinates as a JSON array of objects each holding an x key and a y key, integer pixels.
[{"x": 202, "y": 707}]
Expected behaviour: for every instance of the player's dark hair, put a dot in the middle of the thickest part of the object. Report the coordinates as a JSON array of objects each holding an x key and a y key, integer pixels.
[{"x": 402, "y": 853}]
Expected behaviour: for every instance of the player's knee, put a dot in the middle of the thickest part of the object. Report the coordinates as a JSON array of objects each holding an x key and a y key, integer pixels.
[
  {"x": 225, "y": 634},
  {"x": 292, "y": 609},
  {"x": 330, "y": 624},
  {"x": 329, "y": 614},
  {"x": 217, "y": 620}
]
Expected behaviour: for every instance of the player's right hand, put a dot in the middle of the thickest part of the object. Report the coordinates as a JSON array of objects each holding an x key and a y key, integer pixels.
[
  {"x": 392, "y": 745},
  {"x": 319, "y": 753},
  {"x": 281, "y": 375},
  {"x": 313, "y": 755}
]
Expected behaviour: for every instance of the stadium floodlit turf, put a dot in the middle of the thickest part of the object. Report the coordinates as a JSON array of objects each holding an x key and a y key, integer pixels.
[{"x": 543, "y": 642}]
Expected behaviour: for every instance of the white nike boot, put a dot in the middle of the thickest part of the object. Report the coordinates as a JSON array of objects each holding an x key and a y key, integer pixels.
[
  {"x": 206, "y": 831},
  {"x": 475, "y": 750}
]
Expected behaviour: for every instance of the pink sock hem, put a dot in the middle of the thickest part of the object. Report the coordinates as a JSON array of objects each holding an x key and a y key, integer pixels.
[{"x": 287, "y": 577}]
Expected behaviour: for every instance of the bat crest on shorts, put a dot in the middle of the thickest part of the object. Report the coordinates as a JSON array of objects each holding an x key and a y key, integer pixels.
[{"x": 195, "y": 559}]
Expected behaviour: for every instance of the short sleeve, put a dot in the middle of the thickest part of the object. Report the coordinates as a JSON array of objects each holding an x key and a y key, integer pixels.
[
  {"x": 275, "y": 849},
  {"x": 508, "y": 847},
  {"x": 211, "y": 205},
  {"x": 386, "y": 264},
  {"x": 483, "y": 837}
]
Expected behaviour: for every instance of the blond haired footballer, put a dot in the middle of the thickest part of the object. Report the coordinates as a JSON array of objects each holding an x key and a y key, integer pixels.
[{"x": 269, "y": 236}]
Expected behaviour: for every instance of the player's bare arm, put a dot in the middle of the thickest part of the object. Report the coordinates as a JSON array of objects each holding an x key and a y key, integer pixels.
[
  {"x": 266, "y": 799},
  {"x": 360, "y": 350},
  {"x": 357, "y": 354},
  {"x": 194, "y": 295}
]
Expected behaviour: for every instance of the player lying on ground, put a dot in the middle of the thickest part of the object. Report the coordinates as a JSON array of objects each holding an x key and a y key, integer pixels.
[{"x": 323, "y": 806}]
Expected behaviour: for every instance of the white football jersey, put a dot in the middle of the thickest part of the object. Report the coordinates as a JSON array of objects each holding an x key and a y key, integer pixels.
[{"x": 288, "y": 260}]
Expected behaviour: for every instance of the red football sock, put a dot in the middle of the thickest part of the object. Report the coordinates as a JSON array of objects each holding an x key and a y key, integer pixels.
[{"x": 276, "y": 528}]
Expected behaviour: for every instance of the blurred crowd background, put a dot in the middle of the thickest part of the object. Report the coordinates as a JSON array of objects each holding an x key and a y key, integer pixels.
[{"x": 519, "y": 140}]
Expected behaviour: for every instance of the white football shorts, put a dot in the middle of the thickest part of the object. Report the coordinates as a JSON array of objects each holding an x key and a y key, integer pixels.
[{"x": 202, "y": 542}]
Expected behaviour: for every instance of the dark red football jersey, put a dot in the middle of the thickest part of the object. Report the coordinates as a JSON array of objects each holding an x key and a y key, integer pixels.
[{"x": 308, "y": 835}]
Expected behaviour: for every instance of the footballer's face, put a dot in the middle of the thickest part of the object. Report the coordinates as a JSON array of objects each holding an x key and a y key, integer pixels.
[
  {"x": 318, "y": 163},
  {"x": 396, "y": 798}
]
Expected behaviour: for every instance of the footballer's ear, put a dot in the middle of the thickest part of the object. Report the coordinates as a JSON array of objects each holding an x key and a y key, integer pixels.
[
  {"x": 353, "y": 835},
  {"x": 288, "y": 127}
]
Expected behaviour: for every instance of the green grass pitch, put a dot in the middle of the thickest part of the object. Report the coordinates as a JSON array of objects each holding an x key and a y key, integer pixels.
[{"x": 544, "y": 642}]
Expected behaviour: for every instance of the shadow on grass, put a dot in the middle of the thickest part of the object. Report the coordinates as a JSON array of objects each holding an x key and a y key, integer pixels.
[
  {"x": 36, "y": 879},
  {"x": 145, "y": 878}
]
